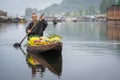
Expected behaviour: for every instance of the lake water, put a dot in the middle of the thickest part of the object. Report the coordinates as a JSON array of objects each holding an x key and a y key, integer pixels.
[{"x": 88, "y": 54}]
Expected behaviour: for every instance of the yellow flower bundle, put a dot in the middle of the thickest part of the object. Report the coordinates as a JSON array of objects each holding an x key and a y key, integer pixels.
[{"x": 43, "y": 40}]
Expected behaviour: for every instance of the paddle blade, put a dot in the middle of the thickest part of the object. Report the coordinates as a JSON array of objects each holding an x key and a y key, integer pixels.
[{"x": 16, "y": 45}]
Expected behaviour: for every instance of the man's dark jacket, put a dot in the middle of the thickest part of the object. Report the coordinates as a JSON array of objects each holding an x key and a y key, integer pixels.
[{"x": 38, "y": 29}]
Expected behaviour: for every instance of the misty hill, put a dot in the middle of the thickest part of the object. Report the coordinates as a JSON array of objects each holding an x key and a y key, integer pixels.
[{"x": 73, "y": 6}]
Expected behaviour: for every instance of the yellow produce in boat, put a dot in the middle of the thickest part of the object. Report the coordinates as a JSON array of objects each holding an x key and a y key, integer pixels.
[
  {"x": 31, "y": 41},
  {"x": 43, "y": 40}
]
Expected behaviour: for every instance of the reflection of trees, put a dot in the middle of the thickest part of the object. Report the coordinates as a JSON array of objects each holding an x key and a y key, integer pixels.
[
  {"x": 85, "y": 30},
  {"x": 38, "y": 63}
]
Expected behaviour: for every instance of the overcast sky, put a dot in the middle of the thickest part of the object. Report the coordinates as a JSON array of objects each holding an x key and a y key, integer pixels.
[{"x": 19, "y": 6}]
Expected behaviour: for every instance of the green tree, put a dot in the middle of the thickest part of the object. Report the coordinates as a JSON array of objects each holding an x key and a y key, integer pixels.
[
  {"x": 28, "y": 12},
  {"x": 110, "y": 2},
  {"x": 80, "y": 12},
  {"x": 118, "y": 2},
  {"x": 103, "y": 6},
  {"x": 87, "y": 12},
  {"x": 67, "y": 14},
  {"x": 92, "y": 9}
]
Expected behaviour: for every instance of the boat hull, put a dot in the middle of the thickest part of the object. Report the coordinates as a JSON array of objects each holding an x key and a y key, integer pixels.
[{"x": 43, "y": 48}]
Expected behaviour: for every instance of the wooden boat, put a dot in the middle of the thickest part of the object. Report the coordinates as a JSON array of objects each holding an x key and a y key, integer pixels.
[{"x": 43, "y": 48}]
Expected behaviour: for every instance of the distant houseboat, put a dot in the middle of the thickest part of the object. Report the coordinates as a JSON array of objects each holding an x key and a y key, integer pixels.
[
  {"x": 3, "y": 16},
  {"x": 113, "y": 22},
  {"x": 113, "y": 15}
]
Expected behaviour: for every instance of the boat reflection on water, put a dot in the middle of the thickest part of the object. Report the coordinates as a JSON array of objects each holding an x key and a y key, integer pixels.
[{"x": 51, "y": 60}]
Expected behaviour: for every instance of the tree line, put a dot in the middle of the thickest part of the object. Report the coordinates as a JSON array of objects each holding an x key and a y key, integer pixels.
[
  {"x": 105, "y": 4},
  {"x": 90, "y": 10}
]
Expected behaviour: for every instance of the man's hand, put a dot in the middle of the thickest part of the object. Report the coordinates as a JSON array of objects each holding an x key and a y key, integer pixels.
[{"x": 29, "y": 31}]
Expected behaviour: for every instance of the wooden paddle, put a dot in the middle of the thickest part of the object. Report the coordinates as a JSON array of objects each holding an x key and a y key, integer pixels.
[{"x": 19, "y": 44}]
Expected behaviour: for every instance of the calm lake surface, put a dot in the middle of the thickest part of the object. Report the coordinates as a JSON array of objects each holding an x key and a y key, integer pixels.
[{"x": 88, "y": 53}]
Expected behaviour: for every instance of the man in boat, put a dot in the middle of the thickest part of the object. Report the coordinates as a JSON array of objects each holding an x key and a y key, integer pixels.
[{"x": 39, "y": 28}]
